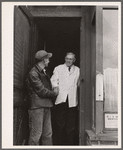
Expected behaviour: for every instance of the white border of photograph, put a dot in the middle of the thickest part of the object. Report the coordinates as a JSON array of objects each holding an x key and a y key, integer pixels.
[{"x": 7, "y": 72}]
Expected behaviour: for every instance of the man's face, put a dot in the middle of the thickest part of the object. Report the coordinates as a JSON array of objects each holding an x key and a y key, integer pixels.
[
  {"x": 46, "y": 62},
  {"x": 69, "y": 60}
]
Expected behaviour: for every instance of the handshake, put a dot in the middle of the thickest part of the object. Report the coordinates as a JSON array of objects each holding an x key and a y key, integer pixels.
[{"x": 56, "y": 90}]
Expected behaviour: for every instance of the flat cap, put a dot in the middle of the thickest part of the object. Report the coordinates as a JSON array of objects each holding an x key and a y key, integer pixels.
[{"x": 41, "y": 54}]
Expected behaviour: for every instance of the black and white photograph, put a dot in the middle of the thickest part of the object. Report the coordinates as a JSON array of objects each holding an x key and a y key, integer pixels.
[{"x": 61, "y": 75}]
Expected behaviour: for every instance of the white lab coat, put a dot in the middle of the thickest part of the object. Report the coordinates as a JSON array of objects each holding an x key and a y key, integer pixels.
[{"x": 67, "y": 82}]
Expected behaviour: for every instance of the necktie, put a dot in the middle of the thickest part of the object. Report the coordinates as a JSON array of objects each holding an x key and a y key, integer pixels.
[{"x": 69, "y": 68}]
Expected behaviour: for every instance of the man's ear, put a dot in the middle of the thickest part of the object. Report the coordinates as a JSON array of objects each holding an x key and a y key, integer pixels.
[{"x": 74, "y": 59}]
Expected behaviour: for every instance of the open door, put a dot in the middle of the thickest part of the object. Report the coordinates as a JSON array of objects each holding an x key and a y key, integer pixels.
[{"x": 25, "y": 34}]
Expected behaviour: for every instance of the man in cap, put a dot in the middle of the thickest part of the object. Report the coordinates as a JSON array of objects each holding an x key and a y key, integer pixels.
[
  {"x": 66, "y": 78},
  {"x": 41, "y": 96}
]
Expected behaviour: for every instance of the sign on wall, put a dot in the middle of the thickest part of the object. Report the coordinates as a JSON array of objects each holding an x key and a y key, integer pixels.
[{"x": 111, "y": 120}]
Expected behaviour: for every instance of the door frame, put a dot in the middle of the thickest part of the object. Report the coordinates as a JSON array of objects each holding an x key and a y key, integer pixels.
[
  {"x": 85, "y": 14},
  {"x": 87, "y": 74}
]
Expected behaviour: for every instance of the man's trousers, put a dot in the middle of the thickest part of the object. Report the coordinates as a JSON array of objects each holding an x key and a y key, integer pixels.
[
  {"x": 65, "y": 121},
  {"x": 40, "y": 126}
]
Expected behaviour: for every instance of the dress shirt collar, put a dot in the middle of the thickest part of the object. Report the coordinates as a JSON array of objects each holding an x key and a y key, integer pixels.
[
  {"x": 41, "y": 68},
  {"x": 71, "y": 70}
]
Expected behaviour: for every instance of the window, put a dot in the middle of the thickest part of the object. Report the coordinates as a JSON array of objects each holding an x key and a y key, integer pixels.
[{"x": 110, "y": 66}]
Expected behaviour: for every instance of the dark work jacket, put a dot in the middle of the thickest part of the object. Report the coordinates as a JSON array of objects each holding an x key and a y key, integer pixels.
[{"x": 40, "y": 92}]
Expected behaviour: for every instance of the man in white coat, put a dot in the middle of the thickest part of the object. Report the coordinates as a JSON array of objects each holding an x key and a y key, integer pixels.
[{"x": 66, "y": 78}]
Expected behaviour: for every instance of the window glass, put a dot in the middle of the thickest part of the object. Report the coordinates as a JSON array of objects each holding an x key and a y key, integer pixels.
[{"x": 110, "y": 59}]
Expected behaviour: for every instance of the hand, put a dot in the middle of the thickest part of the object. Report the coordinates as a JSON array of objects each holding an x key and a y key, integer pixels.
[{"x": 56, "y": 90}]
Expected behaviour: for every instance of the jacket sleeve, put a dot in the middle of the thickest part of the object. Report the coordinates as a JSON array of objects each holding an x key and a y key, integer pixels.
[
  {"x": 38, "y": 86},
  {"x": 55, "y": 78}
]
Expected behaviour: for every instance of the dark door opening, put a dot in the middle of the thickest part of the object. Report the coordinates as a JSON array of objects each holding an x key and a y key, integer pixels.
[{"x": 59, "y": 36}]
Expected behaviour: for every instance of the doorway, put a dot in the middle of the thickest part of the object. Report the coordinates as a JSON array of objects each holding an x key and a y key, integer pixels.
[
  {"x": 58, "y": 32},
  {"x": 59, "y": 36}
]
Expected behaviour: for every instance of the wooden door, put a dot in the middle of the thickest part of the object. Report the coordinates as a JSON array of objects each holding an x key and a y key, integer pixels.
[{"x": 24, "y": 50}]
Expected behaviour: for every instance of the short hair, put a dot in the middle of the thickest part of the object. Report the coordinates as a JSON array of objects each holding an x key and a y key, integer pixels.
[{"x": 70, "y": 53}]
